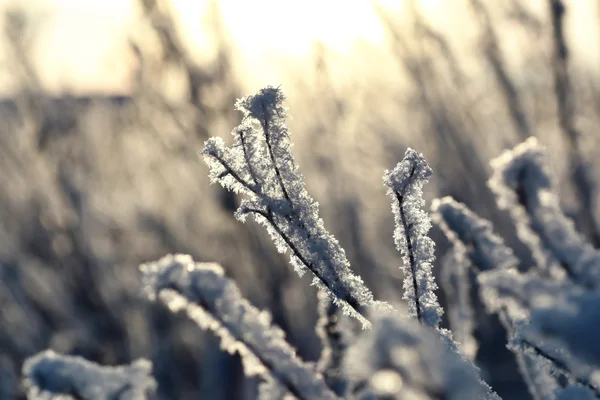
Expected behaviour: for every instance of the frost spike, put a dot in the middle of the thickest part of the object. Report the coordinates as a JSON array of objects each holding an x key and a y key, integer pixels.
[{"x": 405, "y": 183}]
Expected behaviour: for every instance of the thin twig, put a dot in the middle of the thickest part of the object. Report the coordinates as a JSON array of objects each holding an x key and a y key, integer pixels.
[
  {"x": 561, "y": 366},
  {"x": 268, "y": 215},
  {"x": 411, "y": 256}
]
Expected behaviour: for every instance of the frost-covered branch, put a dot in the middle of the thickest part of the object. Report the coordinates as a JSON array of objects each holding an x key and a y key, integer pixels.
[
  {"x": 216, "y": 304},
  {"x": 475, "y": 248},
  {"x": 401, "y": 359},
  {"x": 405, "y": 183},
  {"x": 552, "y": 322},
  {"x": 571, "y": 318},
  {"x": 538, "y": 372},
  {"x": 261, "y": 166},
  {"x": 49, "y": 375},
  {"x": 524, "y": 187},
  {"x": 226, "y": 167},
  {"x": 553, "y": 360},
  {"x": 562, "y": 328},
  {"x": 544, "y": 369},
  {"x": 463, "y": 228},
  {"x": 300, "y": 262},
  {"x": 478, "y": 247}
]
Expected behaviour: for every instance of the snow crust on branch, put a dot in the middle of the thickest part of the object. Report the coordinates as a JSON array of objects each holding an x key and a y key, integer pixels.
[
  {"x": 525, "y": 188},
  {"x": 477, "y": 247},
  {"x": 216, "y": 304},
  {"x": 405, "y": 188},
  {"x": 401, "y": 360},
  {"x": 49, "y": 375},
  {"x": 261, "y": 166}
]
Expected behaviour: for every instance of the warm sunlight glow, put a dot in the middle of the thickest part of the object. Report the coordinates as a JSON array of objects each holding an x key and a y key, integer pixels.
[
  {"x": 83, "y": 43},
  {"x": 291, "y": 27}
]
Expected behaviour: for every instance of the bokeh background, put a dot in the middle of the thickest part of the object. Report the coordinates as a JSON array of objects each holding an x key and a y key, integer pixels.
[{"x": 104, "y": 107}]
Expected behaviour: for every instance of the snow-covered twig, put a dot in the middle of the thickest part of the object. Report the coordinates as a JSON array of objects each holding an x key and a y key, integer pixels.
[
  {"x": 524, "y": 187},
  {"x": 49, "y": 375},
  {"x": 261, "y": 166},
  {"x": 551, "y": 323},
  {"x": 401, "y": 359},
  {"x": 479, "y": 248},
  {"x": 463, "y": 228},
  {"x": 405, "y": 187},
  {"x": 216, "y": 304}
]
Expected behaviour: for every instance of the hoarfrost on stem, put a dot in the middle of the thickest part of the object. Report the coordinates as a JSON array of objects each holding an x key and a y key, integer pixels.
[
  {"x": 405, "y": 187},
  {"x": 541, "y": 315},
  {"x": 216, "y": 304},
  {"x": 401, "y": 359},
  {"x": 261, "y": 166},
  {"x": 463, "y": 228},
  {"x": 525, "y": 188},
  {"x": 49, "y": 375},
  {"x": 480, "y": 249}
]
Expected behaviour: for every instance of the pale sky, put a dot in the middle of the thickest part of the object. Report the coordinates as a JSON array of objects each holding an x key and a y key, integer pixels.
[{"x": 84, "y": 44}]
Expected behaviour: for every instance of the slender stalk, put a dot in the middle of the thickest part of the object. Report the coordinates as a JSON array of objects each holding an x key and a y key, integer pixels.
[
  {"x": 269, "y": 216},
  {"x": 561, "y": 366},
  {"x": 409, "y": 245},
  {"x": 265, "y": 126}
]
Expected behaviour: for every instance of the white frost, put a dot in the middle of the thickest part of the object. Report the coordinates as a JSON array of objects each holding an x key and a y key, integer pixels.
[
  {"x": 49, "y": 375},
  {"x": 216, "y": 304}
]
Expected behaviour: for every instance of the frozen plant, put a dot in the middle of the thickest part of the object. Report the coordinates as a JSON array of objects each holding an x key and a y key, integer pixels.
[
  {"x": 549, "y": 312},
  {"x": 476, "y": 249},
  {"x": 525, "y": 188},
  {"x": 405, "y": 187},
  {"x": 456, "y": 282},
  {"x": 402, "y": 360},
  {"x": 216, "y": 304},
  {"x": 49, "y": 375},
  {"x": 261, "y": 166}
]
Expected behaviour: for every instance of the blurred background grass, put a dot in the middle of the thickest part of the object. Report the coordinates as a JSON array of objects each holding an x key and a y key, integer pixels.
[{"x": 105, "y": 106}]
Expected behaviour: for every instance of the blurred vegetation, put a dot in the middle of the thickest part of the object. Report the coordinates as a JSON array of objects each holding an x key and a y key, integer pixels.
[{"x": 92, "y": 186}]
